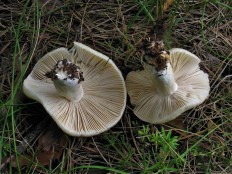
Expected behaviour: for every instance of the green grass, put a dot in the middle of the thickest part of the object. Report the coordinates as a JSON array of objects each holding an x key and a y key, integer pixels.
[
  {"x": 204, "y": 145},
  {"x": 16, "y": 82}
]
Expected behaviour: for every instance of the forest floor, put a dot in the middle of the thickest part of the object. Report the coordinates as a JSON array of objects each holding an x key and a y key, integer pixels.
[{"x": 198, "y": 141}]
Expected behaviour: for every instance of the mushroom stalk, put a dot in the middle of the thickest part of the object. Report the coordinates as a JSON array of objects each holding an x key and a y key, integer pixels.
[
  {"x": 157, "y": 63},
  {"x": 163, "y": 80},
  {"x": 70, "y": 89},
  {"x": 67, "y": 78}
]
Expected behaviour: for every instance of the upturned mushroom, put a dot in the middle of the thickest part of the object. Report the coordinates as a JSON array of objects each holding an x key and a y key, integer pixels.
[
  {"x": 81, "y": 89},
  {"x": 170, "y": 83}
]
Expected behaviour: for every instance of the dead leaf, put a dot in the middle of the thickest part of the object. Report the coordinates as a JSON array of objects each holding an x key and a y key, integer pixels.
[
  {"x": 23, "y": 160},
  {"x": 178, "y": 123},
  {"x": 45, "y": 158},
  {"x": 167, "y": 4},
  {"x": 52, "y": 138},
  {"x": 50, "y": 147},
  {"x": 211, "y": 125}
]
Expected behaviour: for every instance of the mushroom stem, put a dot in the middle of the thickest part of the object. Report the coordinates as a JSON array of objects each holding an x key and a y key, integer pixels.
[
  {"x": 157, "y": 63},
  {"x": 67, "y": 78},
  {"x": 68, "y": 89},
  {"x": 163, "y": 80}
]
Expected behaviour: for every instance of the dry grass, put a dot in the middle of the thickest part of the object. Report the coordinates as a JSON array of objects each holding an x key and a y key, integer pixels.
[{"x": 114, "y": 28}]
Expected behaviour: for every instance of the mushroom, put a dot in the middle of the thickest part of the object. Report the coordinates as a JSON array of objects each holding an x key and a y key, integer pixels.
[
  {"x": 81, "y": 89},
  {"x": 170, "y": 83}
]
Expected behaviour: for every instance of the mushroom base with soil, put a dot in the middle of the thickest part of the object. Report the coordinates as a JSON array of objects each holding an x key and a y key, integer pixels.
[{"x": 67, "y": 78}]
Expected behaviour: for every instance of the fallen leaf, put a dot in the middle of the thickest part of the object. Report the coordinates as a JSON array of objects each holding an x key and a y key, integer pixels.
[
  {"x": 23, "y": 160},
  {"x": 211, "y": 125},
  {"x": 50, "y": 147},
  {"x": 167, "y": 4},
  {"x": 52, "y": 138},
  {"x": 178, "y": 123},
  {"x": 45, "y": 158}
]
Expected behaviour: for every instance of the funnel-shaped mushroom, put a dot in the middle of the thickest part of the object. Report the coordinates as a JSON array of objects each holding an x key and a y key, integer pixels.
[
  {"x": 170, "y": 84},
  {"x": 82, "y": 89}
]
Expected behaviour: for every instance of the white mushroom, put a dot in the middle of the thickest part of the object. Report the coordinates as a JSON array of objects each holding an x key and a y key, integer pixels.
[
  {"x": 170, "y": 84},
  {"x": 82, "y": 89}
]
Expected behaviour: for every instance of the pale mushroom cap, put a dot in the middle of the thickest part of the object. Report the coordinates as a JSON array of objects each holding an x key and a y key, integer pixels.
[
  {"x": 104, "y": 99},
  {"x": 152, "y": 107}
]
